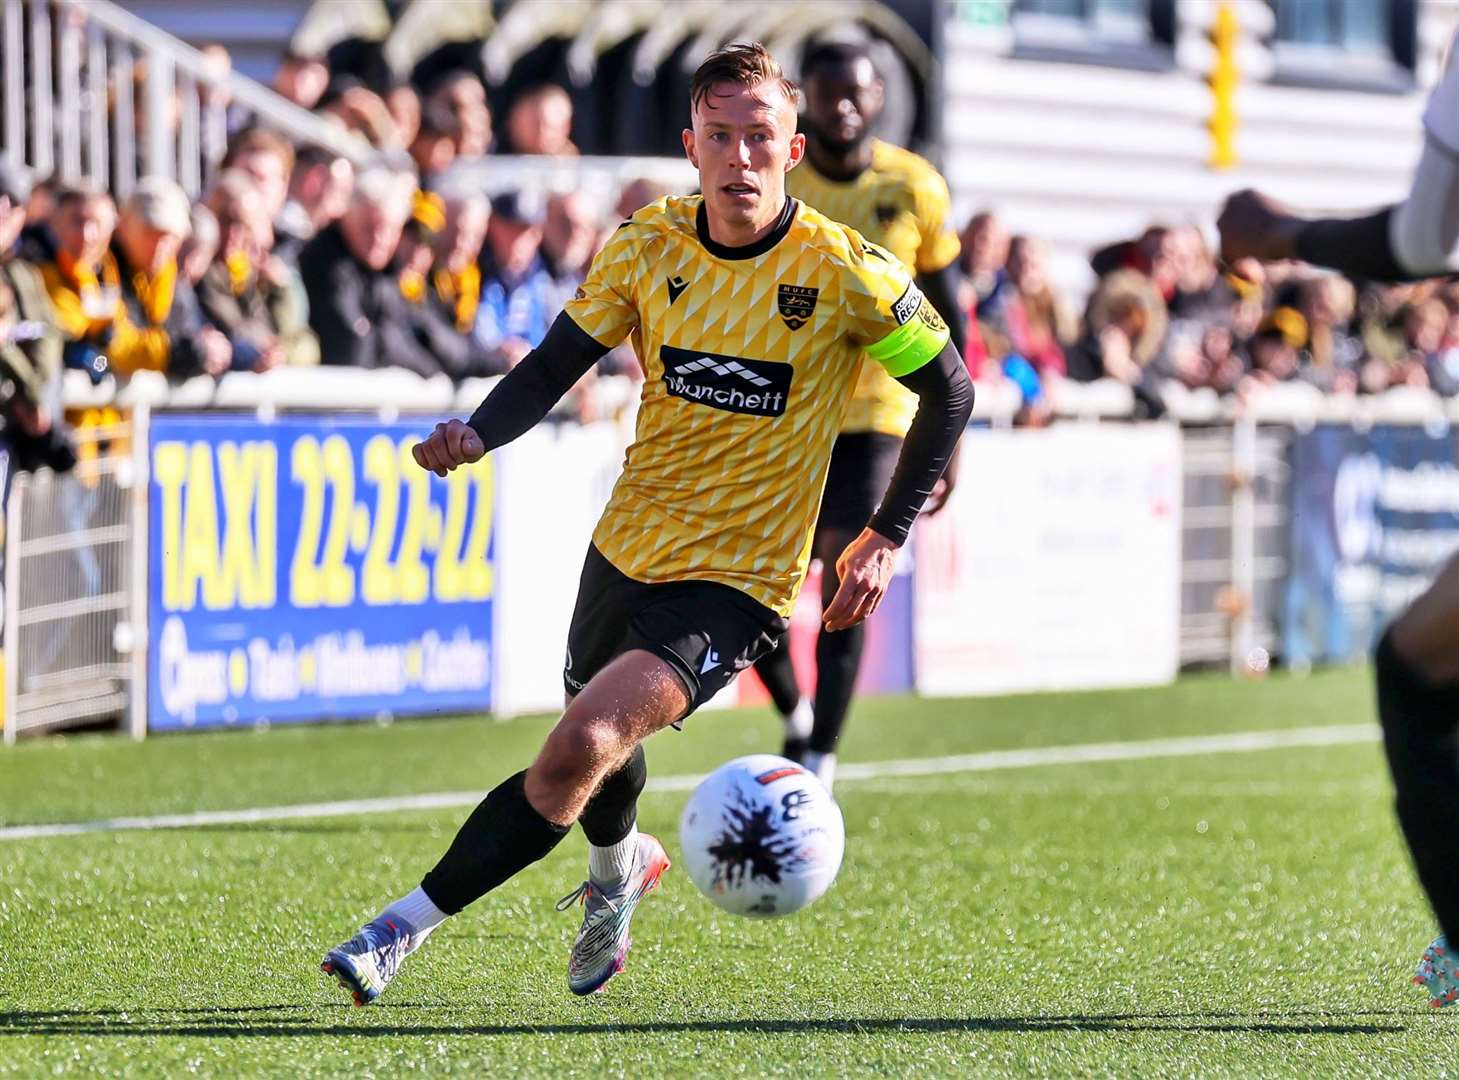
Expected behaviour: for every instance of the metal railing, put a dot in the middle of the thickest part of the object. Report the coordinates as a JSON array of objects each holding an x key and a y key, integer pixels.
[
  {"x": 1234, "y": 542},
  {"x": 91, "y": 93},
  {"x": 74, "y": 645}
]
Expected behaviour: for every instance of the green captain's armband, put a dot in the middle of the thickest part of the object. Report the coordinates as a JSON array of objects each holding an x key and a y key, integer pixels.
[{"x": 920, "y": 335}]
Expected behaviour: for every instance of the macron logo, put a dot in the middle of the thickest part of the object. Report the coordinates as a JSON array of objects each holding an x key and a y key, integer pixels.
[
  {"x": 711, "y": 661},
  {"x": 725, "y": 367}
]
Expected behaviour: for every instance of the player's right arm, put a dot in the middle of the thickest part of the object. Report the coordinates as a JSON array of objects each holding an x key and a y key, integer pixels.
[
  {"x": 1417, "y": 238},
  {"x": 595, "y": 321}
]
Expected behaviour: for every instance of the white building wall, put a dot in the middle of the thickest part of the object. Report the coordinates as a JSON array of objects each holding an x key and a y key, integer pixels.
[{"x": 1083, "y": 155}]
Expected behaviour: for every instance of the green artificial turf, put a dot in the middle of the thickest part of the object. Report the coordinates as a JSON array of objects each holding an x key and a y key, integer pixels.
[{"x": 1244, "y": 914}]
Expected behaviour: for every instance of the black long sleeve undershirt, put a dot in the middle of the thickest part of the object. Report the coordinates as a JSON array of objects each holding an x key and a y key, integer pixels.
[
  {"x": 944, "y": 403},
  {"x": 1359, "y": 247},
  {"x": 527, "y": 393},
  {"x": 940, "y": 288}
]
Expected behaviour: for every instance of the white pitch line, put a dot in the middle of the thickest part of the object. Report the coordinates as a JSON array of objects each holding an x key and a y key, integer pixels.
[{"x": 1242, "y": 742}]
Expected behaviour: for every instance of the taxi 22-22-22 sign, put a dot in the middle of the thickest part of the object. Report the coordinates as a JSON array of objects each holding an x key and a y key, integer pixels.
[{"x": 307, "y": 568}]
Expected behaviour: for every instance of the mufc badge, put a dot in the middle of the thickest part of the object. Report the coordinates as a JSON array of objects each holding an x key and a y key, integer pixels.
[{"x": 797, "y": 302}]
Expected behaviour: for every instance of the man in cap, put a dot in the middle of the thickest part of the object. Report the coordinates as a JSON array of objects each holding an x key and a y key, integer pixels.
[
  {"x": 518, "y": 297},
  {"x": 169, "y": 333}
]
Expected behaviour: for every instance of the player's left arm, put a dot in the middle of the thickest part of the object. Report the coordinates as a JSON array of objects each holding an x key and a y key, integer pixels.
[
  {"x": 919, "y": 355},
  {"x": 937, "y": 276}
]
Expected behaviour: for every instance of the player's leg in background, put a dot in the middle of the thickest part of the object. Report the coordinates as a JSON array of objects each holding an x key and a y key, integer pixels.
[
  {"x": 838, "y": 659},
  {"x": 777, "y": 672},
  {"x": 1418, "y": 701}
]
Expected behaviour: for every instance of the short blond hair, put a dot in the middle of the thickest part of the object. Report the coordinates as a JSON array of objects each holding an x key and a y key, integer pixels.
[{"x": 744, "y": 63}]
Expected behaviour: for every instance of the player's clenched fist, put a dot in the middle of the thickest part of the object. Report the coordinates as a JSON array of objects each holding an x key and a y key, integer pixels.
[
  {"x": 451, "y": 444},
  {"x": 865, "y": 569},
  {"x": 1255, "y": 226}
]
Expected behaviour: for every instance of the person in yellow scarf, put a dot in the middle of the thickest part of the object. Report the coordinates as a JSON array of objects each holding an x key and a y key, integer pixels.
[
  {"x": 247, "y": 292},
  {"x": 457, "y": 277},
  {"x": 116, "y": 289},
  {"x": 442, "y": 286}
]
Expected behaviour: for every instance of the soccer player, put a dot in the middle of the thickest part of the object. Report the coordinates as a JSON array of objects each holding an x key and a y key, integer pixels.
[
  {"x": 750, "y": 313},
  {"x": 898, "y": 200},
  {"x": 1417, "y": 660}
]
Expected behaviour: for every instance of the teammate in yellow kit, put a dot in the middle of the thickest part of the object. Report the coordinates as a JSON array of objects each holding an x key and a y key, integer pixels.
[
  {"x": 898, "y": 200},
  {"x": 752, "y": 315}
]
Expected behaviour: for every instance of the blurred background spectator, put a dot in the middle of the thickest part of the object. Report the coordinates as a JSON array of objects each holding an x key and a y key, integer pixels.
[
  {"x": 201, "y": 246},
  {"x": 267, "y": 158},
  {"x": 571, "y": 234},
  {"x": 160, "y": 326},
  {"x": 30, "y": 348},
  {"x": 248, "y": 292},
  {"x": 319, "y": 192},
  {"x": 455, "y": 104},
  {"x": 456, "y": 279},
  {"x": 540, "y": 122},
  {"x": 355, "y": 305},
  {"x": 517, "y": 291},
  {"x": 434, "y": 319},
  {"x": 302, "y": 79}
]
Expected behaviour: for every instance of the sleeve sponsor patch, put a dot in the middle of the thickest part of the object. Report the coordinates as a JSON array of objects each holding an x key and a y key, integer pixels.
[{"x": 905, "y": 309}]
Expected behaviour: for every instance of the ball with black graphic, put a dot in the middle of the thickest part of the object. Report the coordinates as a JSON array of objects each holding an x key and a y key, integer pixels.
[{"x": 762, "y": 837}]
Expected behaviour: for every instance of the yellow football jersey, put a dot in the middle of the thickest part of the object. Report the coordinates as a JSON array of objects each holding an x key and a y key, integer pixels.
[
  {"x": 749, "y": 356},
  {"x": 901, "y": 203}
]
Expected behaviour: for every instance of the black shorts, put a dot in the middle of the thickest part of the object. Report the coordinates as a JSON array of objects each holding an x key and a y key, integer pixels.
[
  {"x": 705, "y": 631},
  {"x": 861, "y": 469}
]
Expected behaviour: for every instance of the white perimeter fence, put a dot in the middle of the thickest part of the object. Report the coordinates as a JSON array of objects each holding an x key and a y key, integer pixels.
[{"x": 76, "y": 629}]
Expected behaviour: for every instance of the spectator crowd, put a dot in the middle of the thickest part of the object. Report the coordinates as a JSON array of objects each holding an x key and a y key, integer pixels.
[
  {"x": 1166, "y": 319},
  {"x": 293, "y": 256}
]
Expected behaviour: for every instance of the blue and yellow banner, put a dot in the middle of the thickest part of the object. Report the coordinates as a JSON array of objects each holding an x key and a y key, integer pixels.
[
  {"x": 307, "y": 568},
  {"x": 1374, "y": 516}
]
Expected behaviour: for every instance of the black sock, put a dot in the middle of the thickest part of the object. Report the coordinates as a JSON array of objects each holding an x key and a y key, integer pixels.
[
  {"x": 503, "y": 836},
  {"x": 778, "y": 674},
  {"x": 613, "y": 809},
  {"x": 838, "y": 657},
  {"x": 1421, "y": 735}
]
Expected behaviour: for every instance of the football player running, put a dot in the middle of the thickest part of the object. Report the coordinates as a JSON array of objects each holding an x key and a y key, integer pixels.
[
  {"x": 1417, "y": 660},
  {"x": 750, "y": 313}
]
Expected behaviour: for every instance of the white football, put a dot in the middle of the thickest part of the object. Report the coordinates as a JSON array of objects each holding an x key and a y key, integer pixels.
[{"x": 762, "y": 837}]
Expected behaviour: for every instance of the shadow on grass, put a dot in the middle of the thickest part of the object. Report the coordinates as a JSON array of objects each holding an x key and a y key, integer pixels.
[{"x": 302, "y": 1021}]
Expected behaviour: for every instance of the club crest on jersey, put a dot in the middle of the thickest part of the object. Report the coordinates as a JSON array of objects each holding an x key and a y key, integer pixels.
[
  {"x": 797, "y": 302},
  {"x": 728, "y": 383}
]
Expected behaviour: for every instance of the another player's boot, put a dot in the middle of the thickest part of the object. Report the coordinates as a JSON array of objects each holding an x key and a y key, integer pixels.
[
  {"x": 1438, "y": 973},
  {"x": 365, "y": 964},
  {"x": 602, "y": 944}
]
